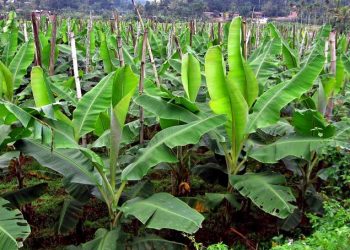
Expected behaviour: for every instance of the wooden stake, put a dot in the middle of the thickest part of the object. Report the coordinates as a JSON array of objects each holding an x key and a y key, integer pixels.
[
  {"x": 88, "y": 43},
  {"x": 195, "y": 27},
  {"x": 191, "y": 32},
  {"x": 332, "y": 47},
  {"x": 219, "y": 32},
  {"x": 53, "y": 45},
  {"x": 178, "y": 46},
  {"x": 170, "y": 43},
  {"x": 36, "y": 40},
  {"x": 116, "y": 22},
  {"x": 131, "y": 30},
  {"x": 120, "y": 51},
  {"x": 333, "y": 68},
  {"x": 244, "y": 35},
  {"x": 112, "y": 25},
  {"x": 25, "y": 33},
  {"x": 293, "y": 44},
  {"x": 257, "y": 38},
  {"x": 148, "y": 47}
]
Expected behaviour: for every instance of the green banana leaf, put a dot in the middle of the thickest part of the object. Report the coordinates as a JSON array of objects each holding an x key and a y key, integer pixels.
[
  {"x": 21, "y": 62},
  {"x": 339, "y": 75},
  {"x": 265, "y": 63},
  {"x": 155, "y": 242},
  {"x": 159, "y": 148},
  {"x": 11, "y": 46},
  {"x": 346, "y": 62},
  {"x": 41, "y": 90},
  {"x": 226, "y": 98},
  {"x": 165, "y": 109},
  {"x": 298, "y": 146},
  {"x": 267, "y": 191},
  {"x": 240, "y": 73},
  {"x": 266, "y": 110},
  {"x": 162, "y": 210},
  {"x": 25, "y": 195},
  {"x": 71, "y": 212},
  {"x": 63, "y": 92},
  {"x": 124, "y": 87},
  {"x": 289, "y": 55},
  {"x": 97, "y": 100},
  {"x": 103, "y": 240},
  {"x": 191, "y": 76},
  {"x": 6, "y": 82},
  {"x": 105, "y": 55},
  {"x": 68, "y": 162},
  {"x": 61, "y": 133},
  {"x": 312, "y": 123},
  {"x": 14, "y": 229},
  {"x": 42, "y": 93}
]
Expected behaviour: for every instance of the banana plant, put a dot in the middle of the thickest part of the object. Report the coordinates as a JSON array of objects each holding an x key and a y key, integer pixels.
[
  {"x": 299, "y": 150},
  {"x": 11, "y": 76},
  {"x": 83, "y": 166},
  {"x": 231, "y": 94},
  {"x": 174, "y": 108},
  {"x": 235, "y": 94}
]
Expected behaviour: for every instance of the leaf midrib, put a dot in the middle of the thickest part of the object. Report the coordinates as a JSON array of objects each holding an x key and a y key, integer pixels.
[{"x": 8, "y": 234}]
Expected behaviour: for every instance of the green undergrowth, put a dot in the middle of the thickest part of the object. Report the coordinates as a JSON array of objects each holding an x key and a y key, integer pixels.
[{"x": 331, "y": 231}]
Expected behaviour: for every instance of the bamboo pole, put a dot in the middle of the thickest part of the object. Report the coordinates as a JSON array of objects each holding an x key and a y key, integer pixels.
[
  {"x": 137, "y": 38},
  {"x": 53, "y": 45},
  {"x": 141, "y": 82},
  {"x": 170, "y": 43},
  {"x": 75, "y": 65},
  {"x": 76, "y": 75},
  {"x": 148, "y": 46}
]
